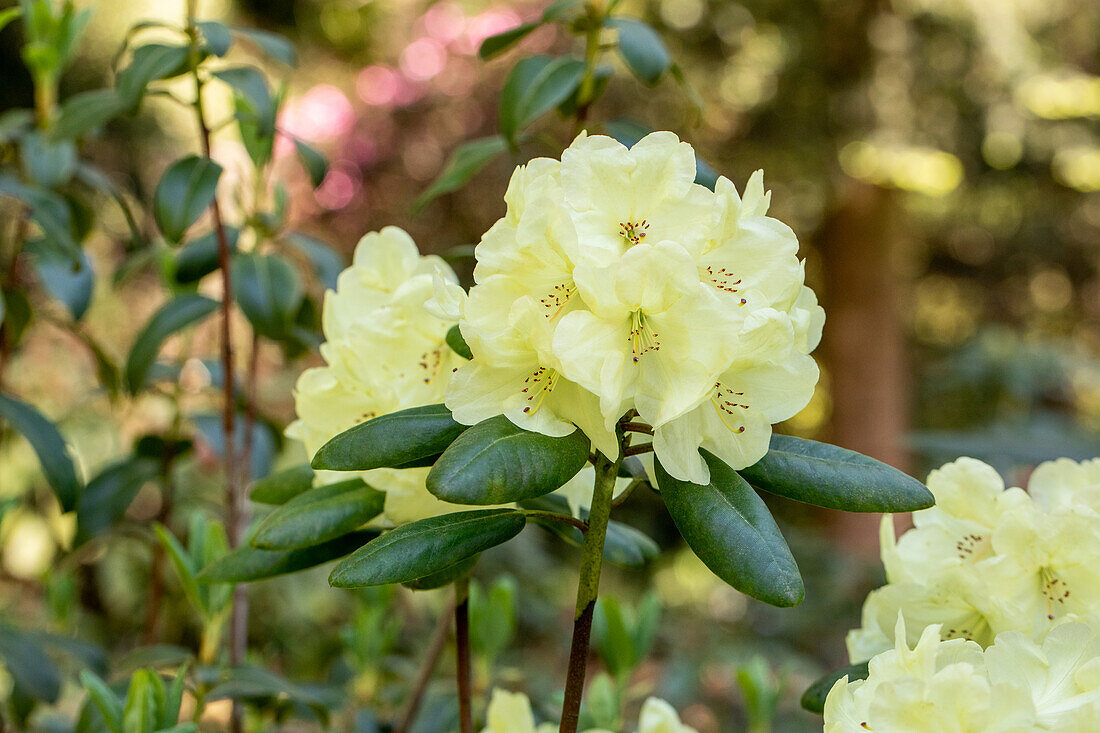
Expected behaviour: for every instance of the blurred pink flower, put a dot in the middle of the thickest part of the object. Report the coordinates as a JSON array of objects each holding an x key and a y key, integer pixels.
[
  {"x": 322, "y": 113},
  {"x": 423, "y": 59},
  {"x": 382, "y": 86},
  {"x": 444, "y": 21},
  {"x": 339, "y": 187},
  {"x": 484, "y": 25}
]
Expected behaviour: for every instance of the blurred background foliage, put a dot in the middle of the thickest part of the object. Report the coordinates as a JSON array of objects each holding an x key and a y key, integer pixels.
[{"x": 939, "y": 160}]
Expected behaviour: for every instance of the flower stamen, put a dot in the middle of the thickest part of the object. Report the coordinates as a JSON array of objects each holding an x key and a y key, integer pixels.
[
  {"x": 722, "y": 279},
  {"x": 538, "y": 386},
  {"x": 642, "y": 340},
  {"x": 725, "y": 402},
  {"x": 557, "y": 299},
  {"x": 633, "y": 232}
]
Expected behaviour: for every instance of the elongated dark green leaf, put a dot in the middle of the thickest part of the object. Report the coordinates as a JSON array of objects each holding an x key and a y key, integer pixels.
[
  {"x": 495, "y": 462},
  {"x": 216, "y": 35},
  {"x": 29, "y": 665},
  {"x": 17, "y": 315},
  {"x": 465, "y": 163},
  {"x": 612, "y": 638},
  {"x": 269, "y": 292},
  {"x": 174, "y": 315},
  {"x": 104, "y": 698},
  {"x": 251, "y": 85},
  {"x": 246, "y": 563},
  {"x": 729, "y": 527},
  {"x": 48, "y": 445},
  {"x": 313, "y": 160},
  {"x": 184, "y": 192},
  {"x": 426, "y": 547},
  {"x": 458, "y": 344},
  {"x": 149, "y": 63},
  {"x": 390, "y": 440},
  {"x": 829, "y": 476},
  {"x": 535, "y": 86},
  {"x": 184, "y": 565},
  {"x": 814, "y": 697},
  {"x": 107, "y": 496},
  {"x": 272, "y": 44},
  {"x": 200, "y": 257},
  {"x": 69, "y": 282},
  {"x": 86, "y": 112},
  {"x": 497, "y": 44},
  {"x": 319, "y": 515},
  {"x": 327, "y": 263},
  {"x": 642, "y": 49},
  {"x": 282, "y": 486},
  {"x": 46, "y": 161},
  {"x": 628, "y": 547},
  {"x": 48, "y": 210},
  {"x": 444, "y": 577},
  {"x": 139, "y": 713}
]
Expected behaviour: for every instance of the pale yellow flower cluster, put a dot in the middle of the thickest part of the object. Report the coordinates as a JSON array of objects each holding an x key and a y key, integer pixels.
[
  {"x": 986, "y": 560},
  {"x": 615, "y": 282},
  {"x": 510, "y": 712},
  {"x": 384, "y": 352},
  {"x": 1017, "y": 684}
]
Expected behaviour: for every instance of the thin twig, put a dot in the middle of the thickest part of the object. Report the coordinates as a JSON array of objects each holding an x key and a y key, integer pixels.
[
  {"x": 635, "y": 450},
  {"x": 427, "y": 667},
  {"x": 637, "y": 427},
  {"x": 537, "y": 514},
  {"x": 462, "y": 654},
  {"x": 621, "y": 498}
]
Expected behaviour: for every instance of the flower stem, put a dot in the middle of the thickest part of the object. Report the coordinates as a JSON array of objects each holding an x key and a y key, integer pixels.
[
  {"x": 591, "y": 56},
  {"x": 462, "y": 646},
  {"x": 588, "y": 587}
]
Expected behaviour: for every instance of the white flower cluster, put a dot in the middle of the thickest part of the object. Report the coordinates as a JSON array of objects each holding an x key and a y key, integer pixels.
[
  {"x": 1017, "y": 684},
  {"x": 384, "y": 352},
  {"x": 986, "y": 560},
  {"x": 510, "y": 712},
  {"x": 615, "y": 282}
]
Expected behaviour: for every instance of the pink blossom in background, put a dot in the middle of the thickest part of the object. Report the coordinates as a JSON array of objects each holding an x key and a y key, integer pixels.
[
  {"x": 484, "y": 25},
  {"x": 382, "y": 86},
  {"x": 322, "y": 113},
  {"x": 340, "y": 186},
  {"x": 423, "y": 59},
  {"x": 444, "y": 22}
]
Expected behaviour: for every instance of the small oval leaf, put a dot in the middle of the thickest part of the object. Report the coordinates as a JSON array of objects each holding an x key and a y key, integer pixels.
[
  {"x": 497, "y": 44},
  {"x": 444, "y": 577},
  {"x": 174, "y": 315},
  {"x": 642, "y": 50},
  {"x": 282, "y": 486},
  {"x": 48, "y": 445},
  {"x": 200, "y": 256},
  {"x": 108, "y": 495},
  {"x": 465, "y": 162},
  {"x": 246, "y": 563},
  {"x": 269, "y": 292},
  {"x": 495, "y": 462},
  {"x": 426, "y": 547},
  {"x": 731, "y": 530},
  {"x": 391, "y": 441},
  {"x": 835, "y": 478},
  {"x": 814, "y": 697},
  {"x": 184, "y": 192},
  {"x": 535, "y": 86},
  {"x": 318, "y": 515},
  {"x": 458, "y": 344}
]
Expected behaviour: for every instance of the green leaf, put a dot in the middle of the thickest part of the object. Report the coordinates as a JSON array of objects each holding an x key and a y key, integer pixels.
[
  {"x": 108, "y": 495},
  {"x": 729, "y": 527},
  {"x": 493, "y": 617},
  {"x": 282, "y": 486},
  {"x": 69, "y": 282},
  {"x": 149, "y": 63},
  {"x": 557, "y": 10},
  {"x": 139, "y": 714},
  {"x": 104, "y": 698},
  {"x": 7, "y": 15},
  {"x": 30, "y": 667},
  {"x": 200, "y": 257},
  {"x": 48, "y": 210},
  {"x": 216, "y": 35},
  {"x": 250, "y": 84},
  {"x": 246, "y": 563},
  {"x": 170, "y": 711},
  {"x": 391, "y": 440},
  {"x": 465, "y": 162},
  {"x": 184, "y": 192},
  {"x": 535, "y": 86},
  {"x": 47, "y": 162},
  {"x": 254, "y": 683},
  {"x": 269, "y": 292},
  {"x": 445, "y": 577},
  {"x": 612, "y": 639},
  {"x": 319, "y": 515},
  {"x": 497, "y": 44},
  {"x": 814, "y": 697},
  {"x": 173, "y": 316},
  {"x": 313, "y": 160},
  {"x": 628, "y": 547},
  {"x": 184, "y": 566},
  {"x": 327, "y": 263},
  {"x": 17, "y": 316},
  {"x": 828, "y": 476},
  {"x": 271, "y": 44},
  {"x": 86, "y": 112},
  {"x": 495, "y": 462},
  {"x": 458, "y": 344},
  {"x": 426, "y": 547},
  {"x": 48, "y": 445},
  {"x": 642, "y": 49}
]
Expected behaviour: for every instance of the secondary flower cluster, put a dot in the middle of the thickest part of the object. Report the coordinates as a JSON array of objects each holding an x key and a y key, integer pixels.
[
  {"x": 510, "y": 712},
  {"x": 613, "y": 283},
  {"x": 986, "y": 560},
  {"x": 384, "y": 352},
  {"x": 1016, "y": 684}
]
